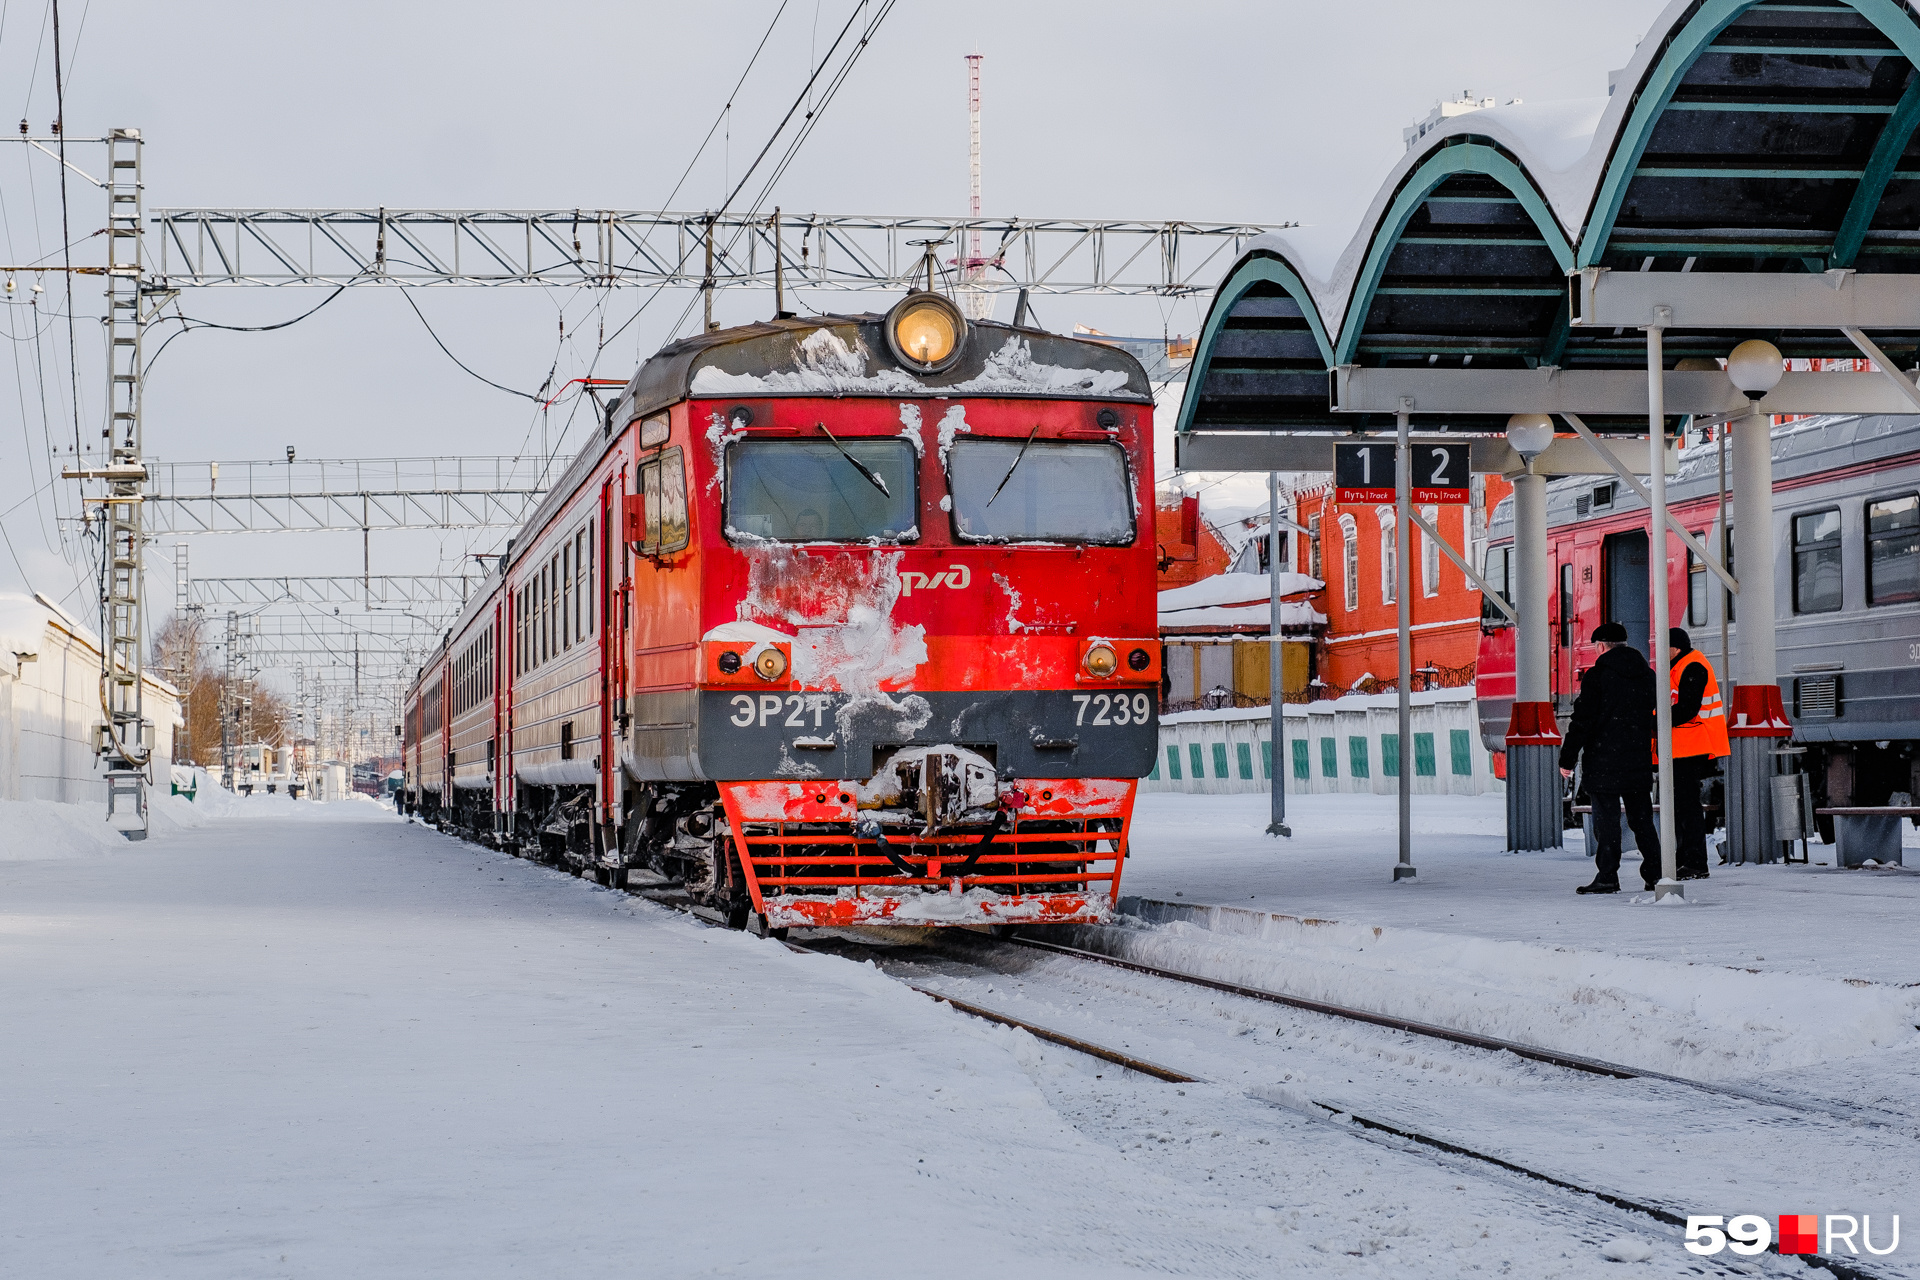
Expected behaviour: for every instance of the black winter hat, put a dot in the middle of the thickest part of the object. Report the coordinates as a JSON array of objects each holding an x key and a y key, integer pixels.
[
  {"x": 1679, "y": 639},
  {"x": 1609, "y": 633}
]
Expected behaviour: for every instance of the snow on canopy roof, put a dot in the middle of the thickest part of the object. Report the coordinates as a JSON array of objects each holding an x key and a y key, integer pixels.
[{"x": 1727, "y": 141}]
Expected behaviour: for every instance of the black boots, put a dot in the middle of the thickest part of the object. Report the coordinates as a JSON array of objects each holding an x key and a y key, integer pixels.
[{"x": 1600, "y": 886}]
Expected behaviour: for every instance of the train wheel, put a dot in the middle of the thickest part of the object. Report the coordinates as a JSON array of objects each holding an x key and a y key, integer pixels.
[
  {"x": 757, "y": 926},
  {"x": 617, "y": 878}
]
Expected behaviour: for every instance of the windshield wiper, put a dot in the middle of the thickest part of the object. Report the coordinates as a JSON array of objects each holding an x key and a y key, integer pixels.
[
  {"x": 1016, "y": 463},
  {"x": 858, "y": 465}
]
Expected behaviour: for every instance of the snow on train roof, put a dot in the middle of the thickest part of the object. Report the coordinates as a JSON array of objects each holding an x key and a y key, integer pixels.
[{"x": 848, "y": 355}]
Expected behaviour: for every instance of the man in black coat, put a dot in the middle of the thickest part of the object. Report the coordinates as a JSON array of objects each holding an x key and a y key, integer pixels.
[{"x": 1613, "y": 728}]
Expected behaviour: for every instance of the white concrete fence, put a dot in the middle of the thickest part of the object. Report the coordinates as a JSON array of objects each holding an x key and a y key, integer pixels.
[{"x": 1346, "y": 744}]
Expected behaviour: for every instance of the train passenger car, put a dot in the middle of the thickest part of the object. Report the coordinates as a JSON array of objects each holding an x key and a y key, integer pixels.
[
  {"x": 840, "y": 620},
  {"x": 1846, "y": 537}
]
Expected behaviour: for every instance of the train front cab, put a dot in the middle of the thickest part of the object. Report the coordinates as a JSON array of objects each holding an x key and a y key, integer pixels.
[{"x": 909, "y": 639}]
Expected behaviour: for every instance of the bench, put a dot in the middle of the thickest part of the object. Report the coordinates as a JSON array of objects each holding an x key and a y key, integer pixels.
[{"x": 1866, "y": 832}]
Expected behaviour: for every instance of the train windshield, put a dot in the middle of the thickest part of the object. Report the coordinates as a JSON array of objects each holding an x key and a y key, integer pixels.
[
  {"x": 825, "y": 490},
  {"x": 1040, "y": 491}
]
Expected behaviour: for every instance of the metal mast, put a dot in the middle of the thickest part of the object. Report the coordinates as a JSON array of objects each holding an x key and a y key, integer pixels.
[
  {"x": 123, "y": 743},
  {"x": 976, "y": 301}
]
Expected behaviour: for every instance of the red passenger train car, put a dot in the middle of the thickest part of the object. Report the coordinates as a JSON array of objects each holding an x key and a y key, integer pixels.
[{"x": 843, "y": 620}]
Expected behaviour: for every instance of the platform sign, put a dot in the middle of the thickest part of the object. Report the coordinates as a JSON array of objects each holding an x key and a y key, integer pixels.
[
  {"x": 1365, "y": 473},
  {"x": 1440, "y": 473}
]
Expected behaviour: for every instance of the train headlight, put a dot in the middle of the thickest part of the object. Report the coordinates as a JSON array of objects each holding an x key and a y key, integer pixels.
[
  {"x": 1139, "y": 659},
  {"x": 728, "y": 662},
  {"x": 925, "y": 332},
  {"x": 770, "y": 664},
  {"x": 1101, "y": 660}
]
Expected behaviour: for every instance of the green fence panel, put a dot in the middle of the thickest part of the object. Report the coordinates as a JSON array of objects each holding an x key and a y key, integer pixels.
[
  {"x": 1423, "y": 761},
  {"x": 1357, "y": 758},
  {"x": 1460, "y": 742}
]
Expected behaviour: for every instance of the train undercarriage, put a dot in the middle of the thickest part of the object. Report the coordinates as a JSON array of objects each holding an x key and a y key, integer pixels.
[{"x": 932, "y": 840}]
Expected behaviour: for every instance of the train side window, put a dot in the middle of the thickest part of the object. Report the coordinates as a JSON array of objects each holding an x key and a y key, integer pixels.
[
  {"x": 663, "y": 485},
  {"x": 1893, "y": 550},
  {"x": 1696, "y": 591},
  {"x": 1816, "y": 561},
  {"x": 1499, "y": 576},
  {"x": 1566, "y": 606},
  {"x": 566, "y": 598}
]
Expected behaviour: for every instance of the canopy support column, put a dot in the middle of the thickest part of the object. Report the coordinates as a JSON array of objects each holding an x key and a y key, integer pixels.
[
  {"x": 1756, "y": 718},
  {"x": 1534, "y": 818},
  {"x": 1657, "y": 542}
]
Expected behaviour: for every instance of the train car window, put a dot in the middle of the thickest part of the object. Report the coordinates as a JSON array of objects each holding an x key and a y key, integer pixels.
[
  {"x": 1499, "y": 577},
  {"x": 1040, "y": 491},
  {"x": 810, "y": 491},
  {"x": 566, "y": 597},
  {"x": 1696, "y": 591},
  {"x": 1566, "y": 606},
  {"x": 1893, "y": 550},
  {"x": 1816, "y": 562},
  {"x": 662, "y": 482},
  {"x": 653, "y": 431}
]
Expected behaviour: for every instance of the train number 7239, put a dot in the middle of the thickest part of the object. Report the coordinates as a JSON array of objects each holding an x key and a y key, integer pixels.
[{"x": 1111, "y": 708}]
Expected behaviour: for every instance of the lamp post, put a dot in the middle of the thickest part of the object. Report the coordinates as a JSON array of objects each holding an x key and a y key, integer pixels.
[
  {"x": 1533, "y": 733},
  {"x": 1756, "y": 714},
  {"x": 1276, "y": 675}
]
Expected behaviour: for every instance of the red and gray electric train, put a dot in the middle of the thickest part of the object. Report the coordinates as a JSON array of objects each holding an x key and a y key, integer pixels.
[
  {"x": 842, "y": 620},
  {"x": 1846, "y": 538}
]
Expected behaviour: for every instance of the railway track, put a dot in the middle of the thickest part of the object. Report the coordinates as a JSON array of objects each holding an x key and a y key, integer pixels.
[{"x": 1396, "y": 1134}]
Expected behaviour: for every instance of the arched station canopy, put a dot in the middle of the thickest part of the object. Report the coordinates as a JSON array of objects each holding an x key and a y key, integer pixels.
[
  {"x": 1744, "y": 136},
  {"x": 1764, "y": 137}
]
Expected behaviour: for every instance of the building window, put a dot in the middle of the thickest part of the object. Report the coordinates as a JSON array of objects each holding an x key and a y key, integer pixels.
[
  {"x": 1350, "y": 560},
  {"x": 1389, "y": 570},
  {"x": 1816, "y": 562},
  {"x": 1893, "y": 550},
  {"x": 1313, "y": 547},
  {"x": 1429, "y": 554}
]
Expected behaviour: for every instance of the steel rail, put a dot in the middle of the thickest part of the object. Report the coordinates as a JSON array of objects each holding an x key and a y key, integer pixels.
[{"x": 1493, "y": 1044}]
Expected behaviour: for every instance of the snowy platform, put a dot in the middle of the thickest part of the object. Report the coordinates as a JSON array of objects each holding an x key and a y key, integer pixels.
[{"x": 1811, "y": 920}]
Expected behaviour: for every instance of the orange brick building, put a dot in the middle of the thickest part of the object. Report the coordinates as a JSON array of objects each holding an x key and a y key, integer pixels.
[{"x": 1351, "y": 548}]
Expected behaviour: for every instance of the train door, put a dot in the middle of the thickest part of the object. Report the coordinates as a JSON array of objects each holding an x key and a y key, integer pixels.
[
  {"x": 612, "y": 653},
  {"x": 1629, "y": 598},
  {"x": 1562, "y": 617}
]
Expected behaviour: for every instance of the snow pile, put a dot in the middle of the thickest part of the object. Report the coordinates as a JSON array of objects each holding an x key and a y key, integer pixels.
[
  {"x": 1627, "y": 1249},
  {"x": 827, "y": 365},
  {"x": 1012, "y": 370},
  {"x": 1702, "y": 1021},
  {"x": 42, "y": 830}
]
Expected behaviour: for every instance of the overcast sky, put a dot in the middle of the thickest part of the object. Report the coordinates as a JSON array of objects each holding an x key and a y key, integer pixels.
[{"x": 1264, "y": 112}]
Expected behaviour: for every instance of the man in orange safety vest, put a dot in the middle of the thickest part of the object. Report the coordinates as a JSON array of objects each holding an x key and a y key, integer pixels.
[{"x": 1699, "y": 738}]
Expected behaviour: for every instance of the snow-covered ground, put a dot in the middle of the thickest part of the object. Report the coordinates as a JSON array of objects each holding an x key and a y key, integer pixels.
[{"x": 287, "y": 1039}]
